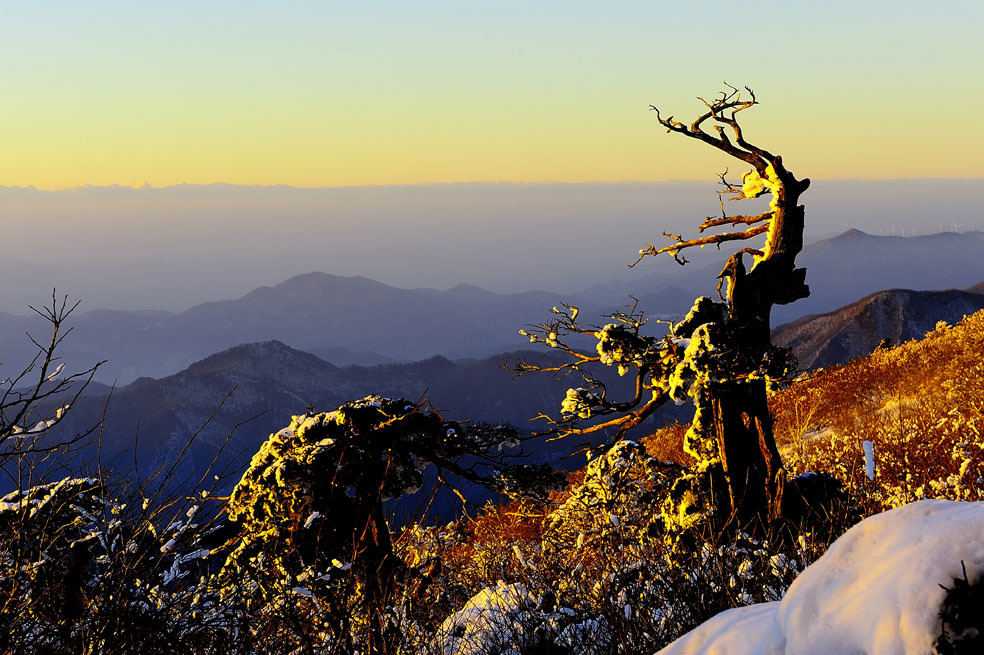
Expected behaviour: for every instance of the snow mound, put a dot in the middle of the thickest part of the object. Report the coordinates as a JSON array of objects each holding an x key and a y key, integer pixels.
[
  {"x": 492, "y": 621},
  {"x": 875, "y": 591}
]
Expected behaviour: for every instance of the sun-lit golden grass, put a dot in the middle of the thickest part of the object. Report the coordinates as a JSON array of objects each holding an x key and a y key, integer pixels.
[
  {"x": 486, "y": 551},
  {"x": 920, "y": 404},
  {"x": 666, "y": 444}
]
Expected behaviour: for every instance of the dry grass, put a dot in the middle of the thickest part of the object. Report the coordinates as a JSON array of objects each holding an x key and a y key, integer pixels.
[
  {"x": 920, "y": 404},
  {"x": 666, "y": 444}
]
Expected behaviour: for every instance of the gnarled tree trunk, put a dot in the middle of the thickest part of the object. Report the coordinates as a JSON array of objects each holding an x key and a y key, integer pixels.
[{"x": 740, "y": 423}]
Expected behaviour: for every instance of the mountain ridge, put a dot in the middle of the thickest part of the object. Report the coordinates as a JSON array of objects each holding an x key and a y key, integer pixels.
[
  {"x": 360, "y": 320},
  {"x": 895, "y": 315}
]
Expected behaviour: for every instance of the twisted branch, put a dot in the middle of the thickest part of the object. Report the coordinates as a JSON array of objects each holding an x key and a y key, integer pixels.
[
  {"x": 713, "y": 239},
  {"x": 723, "y": 111}
]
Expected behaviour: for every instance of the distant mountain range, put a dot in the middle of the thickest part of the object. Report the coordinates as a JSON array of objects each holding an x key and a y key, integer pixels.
[
  {"x": 897, "y": 315},
  {"x": 354, "y": 320},
  {"x": 351, "y": 320},
  {"x": 855, "y": 264}
]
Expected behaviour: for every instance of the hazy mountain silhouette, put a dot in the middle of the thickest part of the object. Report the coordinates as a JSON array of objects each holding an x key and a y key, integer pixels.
[
  {"x": 898, "y": 315},
  {"x": 270, "y": 381},
  {"x": 855, "y": 264},
  {"x": 977, "y": 288},
  {"x": 340, "y": 356},
  {"x": 355, "y": 319}
]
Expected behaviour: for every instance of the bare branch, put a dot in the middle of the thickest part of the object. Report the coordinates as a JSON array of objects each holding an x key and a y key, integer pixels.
[
  {"x": 714, "y": 239},
  {"x": 22, "y": 406},
  {"x": 723, "y": 110},
  {"x": 734, "y": 220}
]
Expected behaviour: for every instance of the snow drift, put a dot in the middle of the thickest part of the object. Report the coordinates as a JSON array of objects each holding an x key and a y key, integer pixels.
[{"x": 877, "y": 590}]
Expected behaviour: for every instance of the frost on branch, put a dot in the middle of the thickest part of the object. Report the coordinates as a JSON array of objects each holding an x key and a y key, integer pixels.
[
  {"x": 58, "y": 514},
  {"x": 620, "y": 494},
  {"x": 618, "y": 345},
  {"x": 314, "y": 490},
  {"x": 578, "y": 402},
  {"x": 691, "y": 363},
  {"x": 38, "y": 397},
  {"x": 46, "y": 534},
  {"x": 310, "y": 506},
  {"x": 621, "y": 344}
]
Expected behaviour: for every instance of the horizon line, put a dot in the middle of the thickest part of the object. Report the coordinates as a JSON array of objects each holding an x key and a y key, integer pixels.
[{"x": 146, "y": 186}]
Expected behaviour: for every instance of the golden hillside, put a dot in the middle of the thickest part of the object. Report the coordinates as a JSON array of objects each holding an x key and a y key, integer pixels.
[{"x": 921, "y": 404}]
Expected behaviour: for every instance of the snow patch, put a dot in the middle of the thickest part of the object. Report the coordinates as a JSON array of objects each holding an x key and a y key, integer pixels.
[
  {"x": 492, "y": 621},
  {"x": 876, "y": 590}
]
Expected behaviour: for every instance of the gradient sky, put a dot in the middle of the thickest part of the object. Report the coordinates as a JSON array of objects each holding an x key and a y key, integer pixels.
[{"x": 344, "y": 93}]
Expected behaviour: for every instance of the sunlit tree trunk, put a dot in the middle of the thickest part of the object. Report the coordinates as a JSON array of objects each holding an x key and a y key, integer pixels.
[
  {"x": 742, "y": 422},
  {"x": 740, "y": 425}
]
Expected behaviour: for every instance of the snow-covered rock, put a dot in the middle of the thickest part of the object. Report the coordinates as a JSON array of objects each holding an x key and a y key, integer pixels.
[{"x": 875, "y": 591}]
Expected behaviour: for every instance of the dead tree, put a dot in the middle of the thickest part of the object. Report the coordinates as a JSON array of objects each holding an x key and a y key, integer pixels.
[{"x": 720, "y": 354}]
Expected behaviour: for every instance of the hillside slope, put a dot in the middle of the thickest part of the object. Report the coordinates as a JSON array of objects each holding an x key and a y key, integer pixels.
[
  {"x": 921, "y": 405},
  {"x": 855, "y": 330},
  {"x": 361, "y": 321},
  {"x": 268, "y": 382}
]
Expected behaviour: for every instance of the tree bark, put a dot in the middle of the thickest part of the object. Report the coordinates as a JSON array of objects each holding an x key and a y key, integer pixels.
[
  {"x": 742, "y": 427},
  {"x": 741, "y": 420}
]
